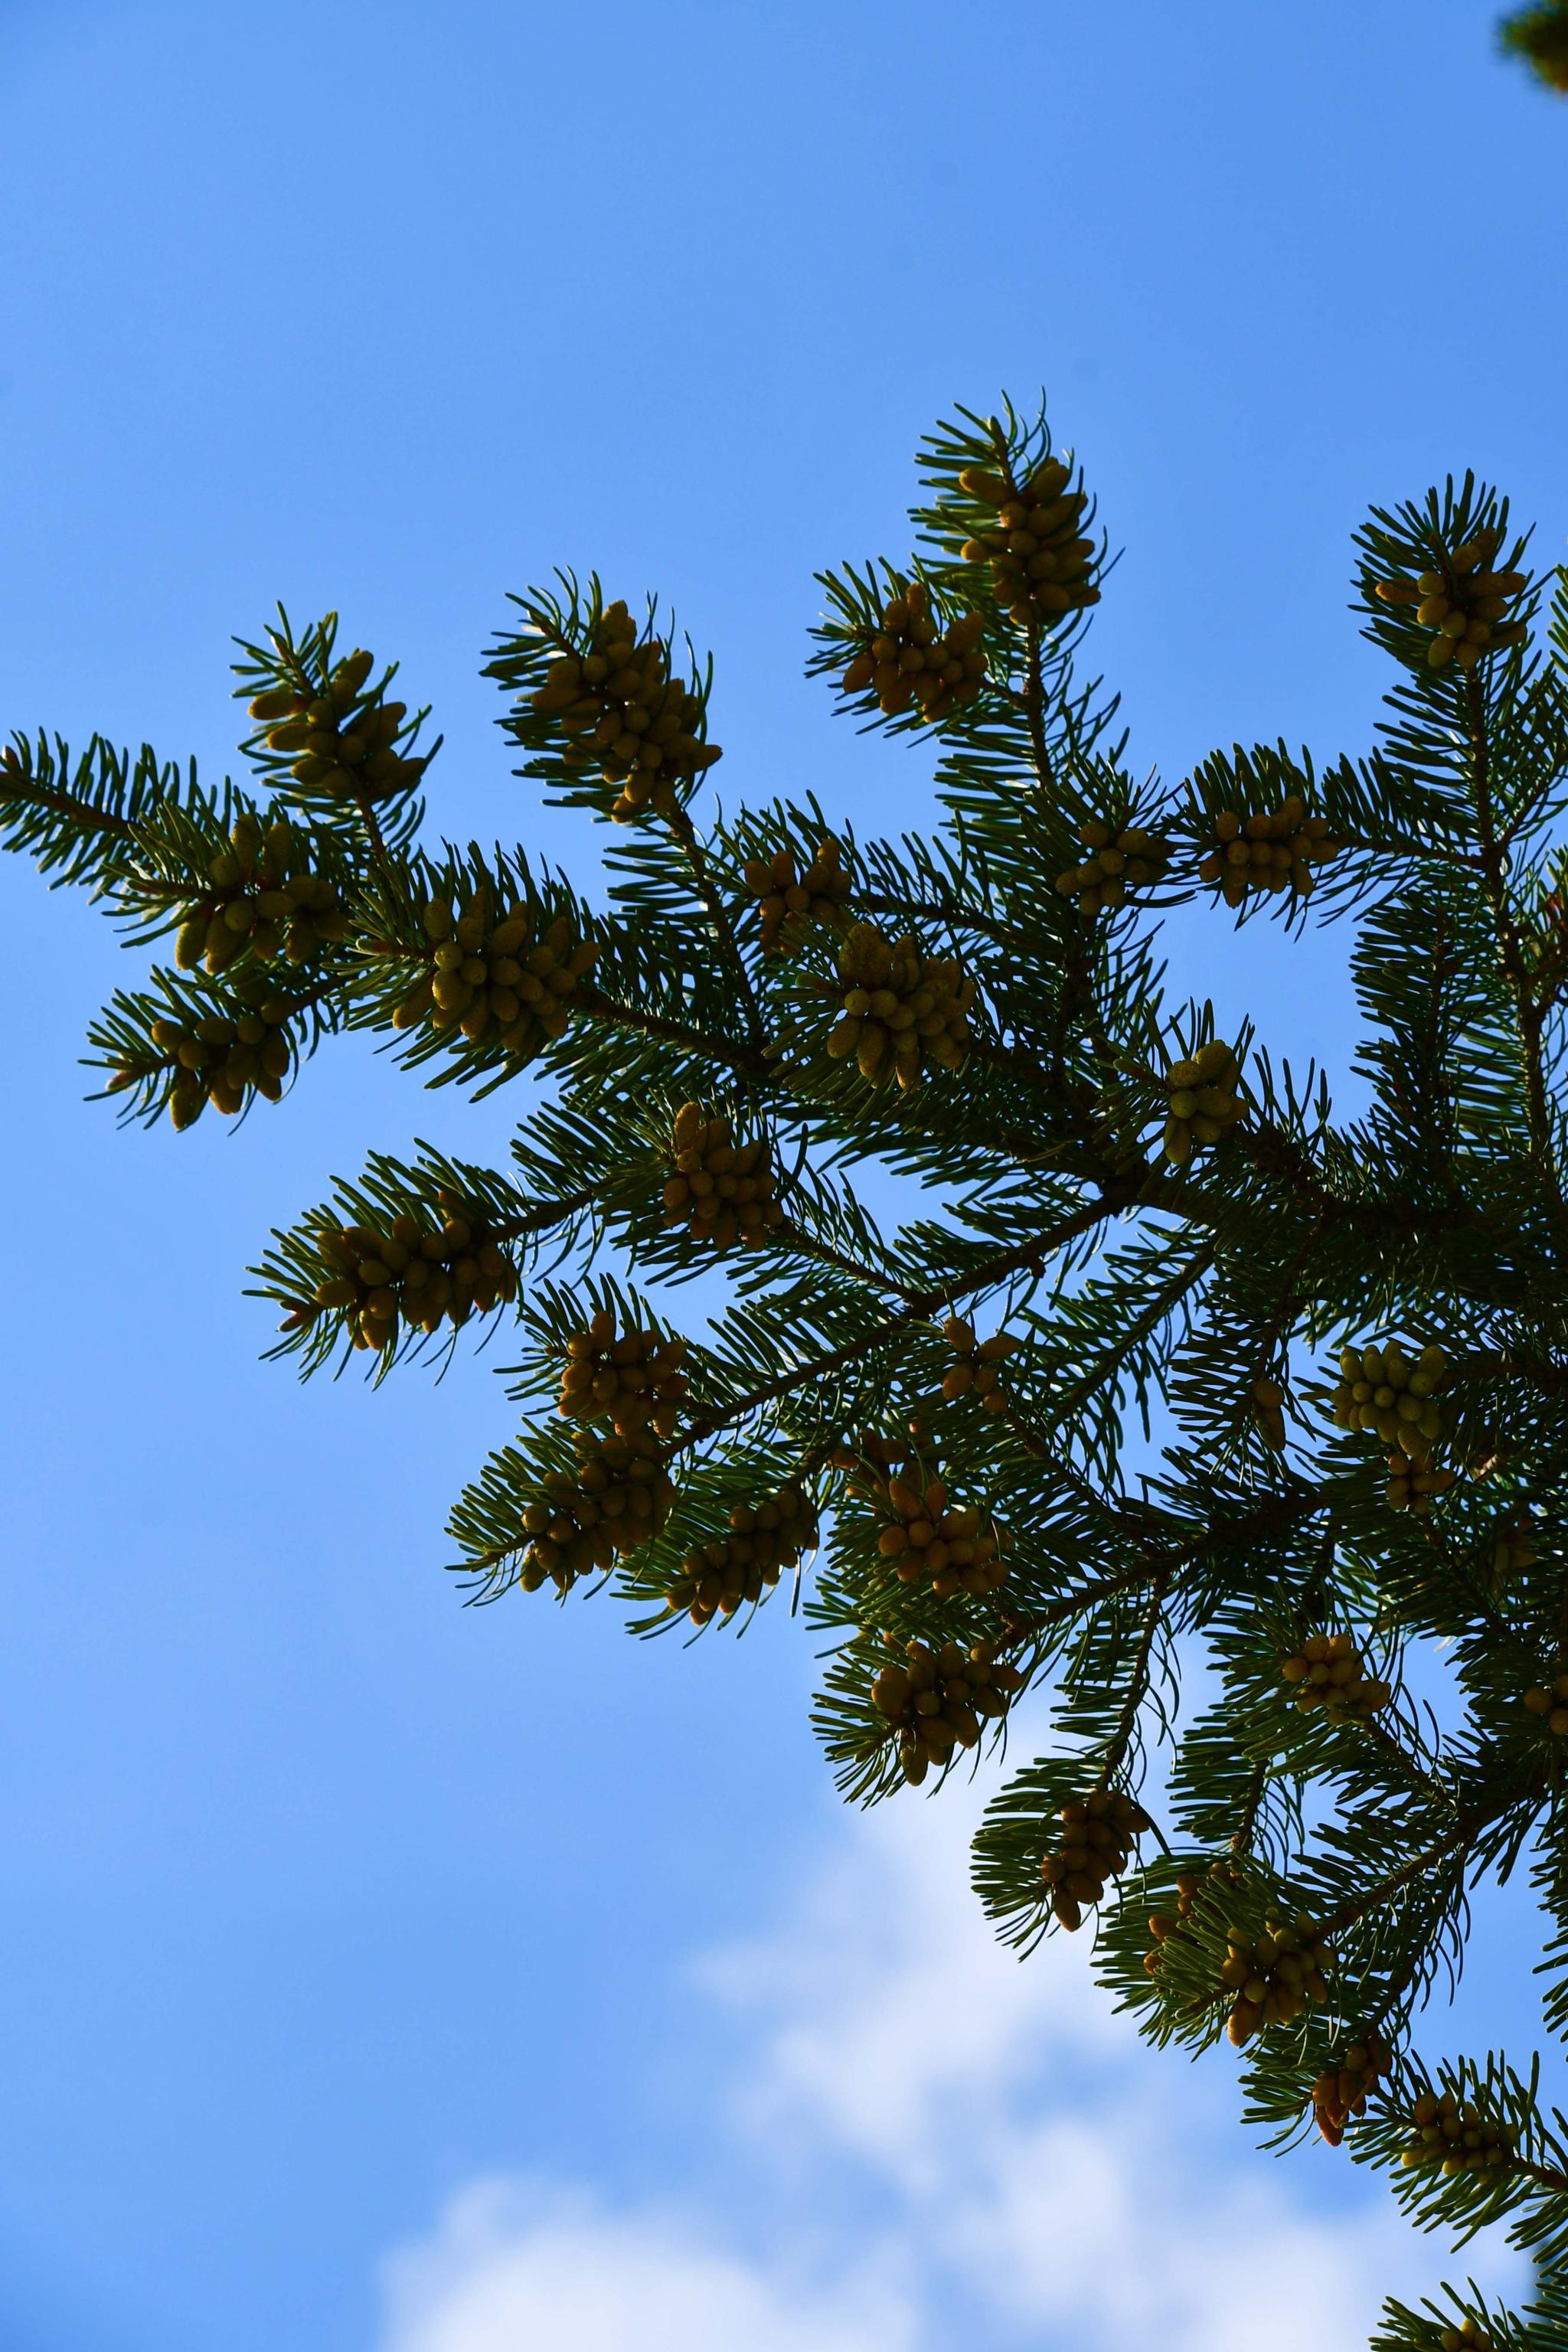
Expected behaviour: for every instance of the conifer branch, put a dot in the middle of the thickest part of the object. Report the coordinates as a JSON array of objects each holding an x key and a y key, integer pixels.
[
  {"x": 748, "y": 1060},
  {"x": 1069, "y": 1605},
  {"x": 1241, "y": 1836},
  {"x": 1137, "y": 1681},
  {"x": 88, "y": 814},
  {"x": 545, "y": 1215},
  {"x": 371, "y": 825},
  {"x": 1031, "y": 700},
  {"x": 680, "y": 825},
  {"x": 1409, "y": 1768},
  {"x": 1453, "y": 1847},
  {"x": 1029, "y": 1525},
  {"x": 1099, "y": 1505},
  {"x": 1104, "y": 1367},
  {"x": 951, "y": 911},
  {"x": 921, "y": 1306},
  {"x": 1527, "y": 1012},
  {"x": 791, "y": 1236}
]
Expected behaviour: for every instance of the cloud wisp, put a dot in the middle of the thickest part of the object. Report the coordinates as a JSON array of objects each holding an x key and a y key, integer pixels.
[
  {"x": 513, "y": 2268},
  {"x": 930, "y": 2136}
]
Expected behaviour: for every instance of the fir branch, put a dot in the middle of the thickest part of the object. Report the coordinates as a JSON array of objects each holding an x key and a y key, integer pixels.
[
  {"x": 748, "y": 1060},
  {"x": 1454, "y": 1845},
  {"x": 1031, "y": 700},
  {"x": 1006, "y": 1507},
  {"x": 1137, "y": 1680},
  {"x": 545, "y": 1215},
  {"x": 86, "y": 814},
  {"x": 1028, "y": 1256},
  {"x": 719, "y": 916},
  {"x": 1241, "y": 1836},
  {"x": 1527, "y": 1012},
  {"x": 1065, "y": 1606},
  {"x": 789, "y": 1236},
  {"x": 950, "y": 912}
]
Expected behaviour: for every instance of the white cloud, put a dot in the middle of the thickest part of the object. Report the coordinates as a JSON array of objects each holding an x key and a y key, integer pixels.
[
  {"x": 961, "y": 2139},
  {"x": 514, "y": 2271},
  {"x": 1060, "y": 2174},
  {"x": 886, "y": 2007},
  {"x": 1105, "y": 2225}
]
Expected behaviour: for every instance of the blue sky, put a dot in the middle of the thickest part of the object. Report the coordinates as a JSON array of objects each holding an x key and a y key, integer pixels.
[{"x": 380, "y": 1977}]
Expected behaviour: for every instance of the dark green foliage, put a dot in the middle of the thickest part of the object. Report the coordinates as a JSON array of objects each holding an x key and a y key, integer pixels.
[
  {"x": 1160, "y": 1470},
  {"x": 1538, "y": 34}
]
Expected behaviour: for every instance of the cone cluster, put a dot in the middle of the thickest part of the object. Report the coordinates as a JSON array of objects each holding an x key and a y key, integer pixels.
[
  {"x": 219, "y": 1058},
  {"x": 1329, "y": 1673},
  {"x": 1456, "y": 2135},
  {"x": 1165, "y": 1924},
  {"x": 630, "y": 1379},
  {"x": 413, "y": 1274},
  {"x": 506, "y": 980},
  {"x": 616, "y": 1499},
  {"x": 1552, "y": 1704},
  {"x": 1268, "y": 1400},
  {"x": 913, "y": 661},
  {"x": 1468, "y": 2337},
  {"x": 791, "y": 901},
  {"x": 1341, "y": 2092},
  {"x": 937, "y": 1700},
  {"x": 722, "y": 1192},
  {"x": 1273, "y": 850},
  {"x": 345, "y": 742},
  {"x": 1204, "y": 1099},
  {"x": 975, "y": 1373},
  {"x": 264, "y": 897},
  {"x": 619, "y": 699},
  {"x": 1385, "y": 1390},
  {"x": 924, "y": 1538},
  {"x": 1274, "y": 1976},
  {"x": 1189, "y": 1885},
  {"x": 1118, "y": 861},
  {"x": 765, "y": 1539},
  {"x": 902, "y": 1008},
  {"x": 1462, "y": 601},
  {"x": 1098, "y": 1833},
  {"x": 1039, "y": 563},
  {"x": 1514, "y": 1546},
  {"x": 1413, "y": 1485}
]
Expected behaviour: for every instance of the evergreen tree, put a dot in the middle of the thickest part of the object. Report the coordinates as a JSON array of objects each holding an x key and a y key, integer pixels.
[
  {"x": 1169, "y": 1366},
  {"x": 1538, "y": 34}
]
